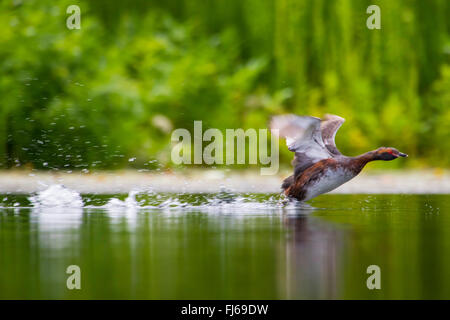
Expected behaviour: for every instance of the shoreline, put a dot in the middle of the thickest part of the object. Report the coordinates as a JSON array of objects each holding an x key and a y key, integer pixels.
[{"x": 211, "y": 181}]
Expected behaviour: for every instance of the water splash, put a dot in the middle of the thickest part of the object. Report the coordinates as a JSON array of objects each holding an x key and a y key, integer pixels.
[
  {"x": 57, "y": 196},
  {"x": 223, "y": 202},
  {"x": 226, "y": 201},
  {"x": 129, "y": 203}
]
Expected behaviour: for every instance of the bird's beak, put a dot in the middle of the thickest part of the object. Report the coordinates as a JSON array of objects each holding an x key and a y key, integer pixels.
[{"x": 404, "y": 155}]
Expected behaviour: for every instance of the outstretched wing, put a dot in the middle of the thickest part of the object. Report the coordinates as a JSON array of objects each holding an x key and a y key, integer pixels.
[
  {"x": 329, "y": 126},
  {"x": 303, "y": 136}
]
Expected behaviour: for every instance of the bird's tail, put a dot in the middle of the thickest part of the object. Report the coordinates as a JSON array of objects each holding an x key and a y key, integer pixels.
[{"x": 287, "y": 182}]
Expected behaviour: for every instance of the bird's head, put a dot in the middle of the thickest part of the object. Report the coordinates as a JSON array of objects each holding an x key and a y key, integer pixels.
[{"x": 388, "y": 153}]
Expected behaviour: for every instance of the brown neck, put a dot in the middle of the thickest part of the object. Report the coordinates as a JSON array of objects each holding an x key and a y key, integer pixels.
[
  {"x": 368, "y": 156},
  {"x": 360, "y": 161}
]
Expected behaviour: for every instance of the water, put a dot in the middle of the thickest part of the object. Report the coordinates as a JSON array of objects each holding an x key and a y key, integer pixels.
[{"x": 148, "y": 245}]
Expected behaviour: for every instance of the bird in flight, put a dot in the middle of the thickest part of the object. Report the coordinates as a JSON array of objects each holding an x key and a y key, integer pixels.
[{"x": 319, "y": 166}]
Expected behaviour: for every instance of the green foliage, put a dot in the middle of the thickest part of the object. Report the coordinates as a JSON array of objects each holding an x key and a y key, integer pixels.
[{"x": 116, "y": 88}]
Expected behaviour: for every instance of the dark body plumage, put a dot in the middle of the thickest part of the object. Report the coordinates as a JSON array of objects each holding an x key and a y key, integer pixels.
[{"x": 319, "y": 167}]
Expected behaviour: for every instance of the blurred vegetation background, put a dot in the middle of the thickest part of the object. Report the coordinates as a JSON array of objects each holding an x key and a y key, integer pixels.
[{"x": 136, "y": 70}]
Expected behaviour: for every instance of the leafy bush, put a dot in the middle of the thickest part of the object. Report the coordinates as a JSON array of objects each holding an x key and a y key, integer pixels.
[{"x": 114, "y": 90}]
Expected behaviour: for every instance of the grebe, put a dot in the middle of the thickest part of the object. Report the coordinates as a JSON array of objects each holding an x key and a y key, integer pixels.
[{"x": 319, "y": 167}]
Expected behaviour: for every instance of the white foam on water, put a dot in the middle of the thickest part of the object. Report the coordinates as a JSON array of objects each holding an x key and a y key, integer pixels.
[
  {"x": 129, "y": 203},
  {"x": 221, "y": 203},
  {"x": 57, "y": 196},
  {"x": 224, "y": 202}
]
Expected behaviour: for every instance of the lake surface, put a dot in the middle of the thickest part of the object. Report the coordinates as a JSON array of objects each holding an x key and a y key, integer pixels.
[{"x": 223, "y": 246}]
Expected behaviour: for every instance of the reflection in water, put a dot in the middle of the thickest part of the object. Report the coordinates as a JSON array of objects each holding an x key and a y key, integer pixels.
[
  {"x": 311, "y": 254},
  {"x": 57, "y": 228},
  {"x": 268, "y": 252}
]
